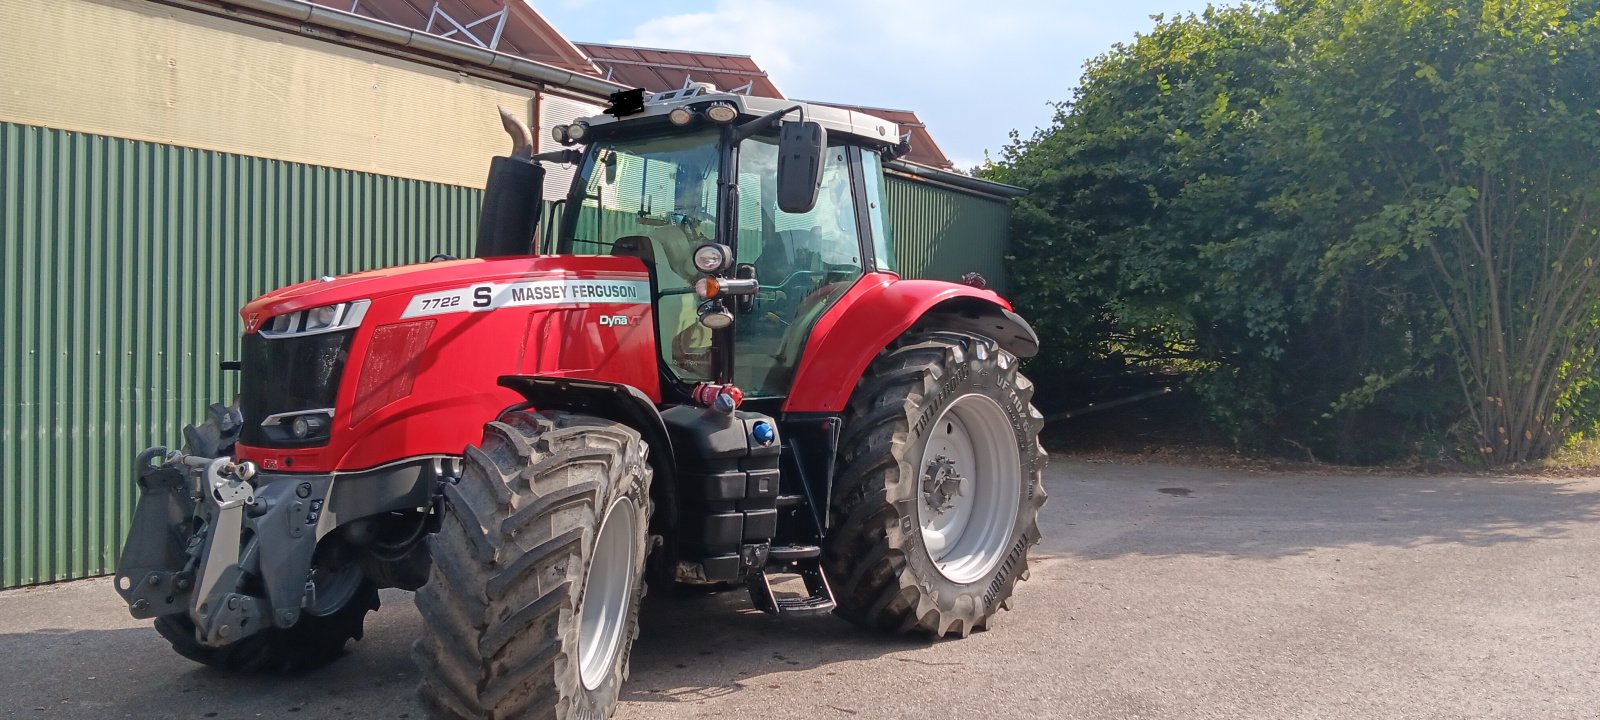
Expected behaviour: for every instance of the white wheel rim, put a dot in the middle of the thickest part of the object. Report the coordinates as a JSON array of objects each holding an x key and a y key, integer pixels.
[
  {"x": 607, "y": 591},
  {"x": 968, "y": 488}
]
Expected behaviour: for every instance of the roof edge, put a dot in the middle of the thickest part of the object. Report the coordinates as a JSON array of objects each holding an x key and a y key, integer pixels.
[
  {"x": 560, "y": 36},
  {"x": 957, "y": 181},
  {"x": 581, "y": 43},
  {"x": 387, "y": 33},
  {"x": 854, "y": 106}
]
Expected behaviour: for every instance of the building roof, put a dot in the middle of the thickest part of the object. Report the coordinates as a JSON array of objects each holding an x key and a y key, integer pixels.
[
  {"x": 522, "y": 31},
  {"x": 924, "y": 151},
  {"x": 658, "y": 70}
]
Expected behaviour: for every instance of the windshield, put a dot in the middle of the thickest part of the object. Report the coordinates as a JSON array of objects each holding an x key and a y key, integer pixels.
[{"x": 663, "y": 187}]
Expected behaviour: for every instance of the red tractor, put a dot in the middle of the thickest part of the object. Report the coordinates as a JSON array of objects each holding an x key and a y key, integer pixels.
[{"x": 713, "y": 378}]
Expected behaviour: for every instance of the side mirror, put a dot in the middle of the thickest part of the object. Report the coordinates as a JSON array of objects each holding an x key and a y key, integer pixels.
[
  {"x": 510, "y": 208},
  {"x": 800, "y": 149},
  {"x": 609, "y": 161}
]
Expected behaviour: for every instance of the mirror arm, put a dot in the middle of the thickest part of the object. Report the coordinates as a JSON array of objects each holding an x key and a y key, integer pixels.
[
  {"x": 745, "y": 131},
  {"x": 566, "y": 156},
  {"x": 898, "y": 150}
]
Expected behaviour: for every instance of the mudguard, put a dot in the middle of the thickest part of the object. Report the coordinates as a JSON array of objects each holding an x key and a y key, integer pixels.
[{"x": 881, "y": 307}]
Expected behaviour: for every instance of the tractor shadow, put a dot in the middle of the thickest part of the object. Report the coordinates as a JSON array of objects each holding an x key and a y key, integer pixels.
[{"x": 693, "y": 648}]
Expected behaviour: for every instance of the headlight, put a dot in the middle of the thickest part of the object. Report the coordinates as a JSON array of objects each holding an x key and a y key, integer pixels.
[
  {"x": 328, "y": 318},
  {"x": 681, "y": 116},
  {"x": 712, "y": 258},
  {"x": 324, "y": 317},
  {"x": 716, "y": 318},
  {"x": 722, "y": 112},
  {"x": 558, "y": 133},
  {"x": 301, "y": 424},
  {"x": 577, "y": 131}
]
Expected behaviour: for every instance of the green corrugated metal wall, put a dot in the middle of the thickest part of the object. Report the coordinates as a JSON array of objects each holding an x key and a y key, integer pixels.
[
  {"x": 942, "y": 234},
  {"x": 123, "y": 266}
]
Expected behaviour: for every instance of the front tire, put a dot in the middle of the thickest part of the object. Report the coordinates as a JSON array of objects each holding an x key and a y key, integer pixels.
[
  {"x": 942, "y": 477},
  {"x": 532, "y": 606},
  {"x": 309, "y": 644}
]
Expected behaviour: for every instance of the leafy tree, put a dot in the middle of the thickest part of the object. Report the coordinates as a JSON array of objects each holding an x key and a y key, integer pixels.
[
  {"x": 1454, "y": 144},
  {"x": 1353, "y": 222}
]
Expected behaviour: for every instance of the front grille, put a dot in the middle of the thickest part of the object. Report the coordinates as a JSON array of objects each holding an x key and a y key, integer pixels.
[{"x": 288, "y": 374}]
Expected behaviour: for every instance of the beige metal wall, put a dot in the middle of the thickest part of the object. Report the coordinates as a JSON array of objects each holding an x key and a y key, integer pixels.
[{"x": 145, "y": 71}]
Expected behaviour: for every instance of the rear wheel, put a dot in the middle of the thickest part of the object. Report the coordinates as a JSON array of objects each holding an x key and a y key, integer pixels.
[
  {"x": 941, "y": 481},
  {"x": 533, "y": 602}
]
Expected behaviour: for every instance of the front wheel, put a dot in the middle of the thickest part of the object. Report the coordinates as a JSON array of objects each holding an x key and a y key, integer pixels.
[
  {"x": 942, "y": 478},
  {"x": 336, "y": 617},
  {"x": 532, "y": 605}
]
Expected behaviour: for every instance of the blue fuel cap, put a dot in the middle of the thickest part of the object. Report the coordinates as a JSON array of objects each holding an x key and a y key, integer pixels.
[{"x": 763, "y": 433}]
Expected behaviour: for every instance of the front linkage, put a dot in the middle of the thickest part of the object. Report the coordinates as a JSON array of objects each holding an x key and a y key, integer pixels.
[
  {"x": 186, "y": 552},
  {"x": 249, "y": 570}
]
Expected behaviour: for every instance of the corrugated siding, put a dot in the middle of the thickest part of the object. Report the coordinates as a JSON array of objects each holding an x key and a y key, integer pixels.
[
  {"x": 122, "y": 268},
  {"x": 942, "y": 234}
]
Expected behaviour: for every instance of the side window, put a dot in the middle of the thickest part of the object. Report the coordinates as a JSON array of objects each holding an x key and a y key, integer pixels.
[
  {"x": 780, "y": 244},
  {"x": 878, "y": 212}
]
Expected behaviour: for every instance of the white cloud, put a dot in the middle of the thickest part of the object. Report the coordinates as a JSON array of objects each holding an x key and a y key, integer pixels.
[
  {"x": 762, "y": 29},
  {"x": 972, "y": 71}
]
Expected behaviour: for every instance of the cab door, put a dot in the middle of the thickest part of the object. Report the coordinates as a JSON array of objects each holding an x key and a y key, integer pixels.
[{"x": 803, "y": 261}]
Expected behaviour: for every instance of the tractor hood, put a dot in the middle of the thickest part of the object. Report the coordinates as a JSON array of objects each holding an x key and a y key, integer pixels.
[{"x": 425, "y": 277}]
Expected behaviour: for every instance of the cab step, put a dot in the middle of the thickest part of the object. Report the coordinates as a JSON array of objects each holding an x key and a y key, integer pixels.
[
  {"x": 783, "y": 554},
  {"x": 817, "y": 601}
]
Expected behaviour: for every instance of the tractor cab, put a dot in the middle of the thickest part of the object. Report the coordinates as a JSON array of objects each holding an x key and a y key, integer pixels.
[{"x": 753, "y": 216}]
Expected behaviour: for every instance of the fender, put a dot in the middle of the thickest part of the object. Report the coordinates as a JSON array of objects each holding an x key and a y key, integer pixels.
[
  {"x": 879, "y": 308},
  {"x": 613, "y": 401}
]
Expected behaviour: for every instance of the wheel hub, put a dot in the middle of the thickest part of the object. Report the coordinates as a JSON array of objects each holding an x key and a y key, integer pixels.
[{"x": 942, "y": 484}]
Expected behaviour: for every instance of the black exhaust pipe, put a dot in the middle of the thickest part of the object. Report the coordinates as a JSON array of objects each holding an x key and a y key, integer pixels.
[{"x": 511, "y": 197}]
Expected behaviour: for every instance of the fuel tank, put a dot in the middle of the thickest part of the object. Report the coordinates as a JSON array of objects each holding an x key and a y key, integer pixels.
[{"x": 357, "y": 371}]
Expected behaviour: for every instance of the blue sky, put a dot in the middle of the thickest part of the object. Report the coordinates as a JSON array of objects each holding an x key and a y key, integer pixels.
[{"x": 973, "y": 71}]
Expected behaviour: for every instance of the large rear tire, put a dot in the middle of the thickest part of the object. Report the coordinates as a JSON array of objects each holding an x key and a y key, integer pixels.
[
  {"x": 532, "y": 606},
  {"x": 942, "y": 477}
]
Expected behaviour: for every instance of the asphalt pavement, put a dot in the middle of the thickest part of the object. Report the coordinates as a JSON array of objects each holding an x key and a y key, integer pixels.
[{"x": 1159, "y": 592}]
